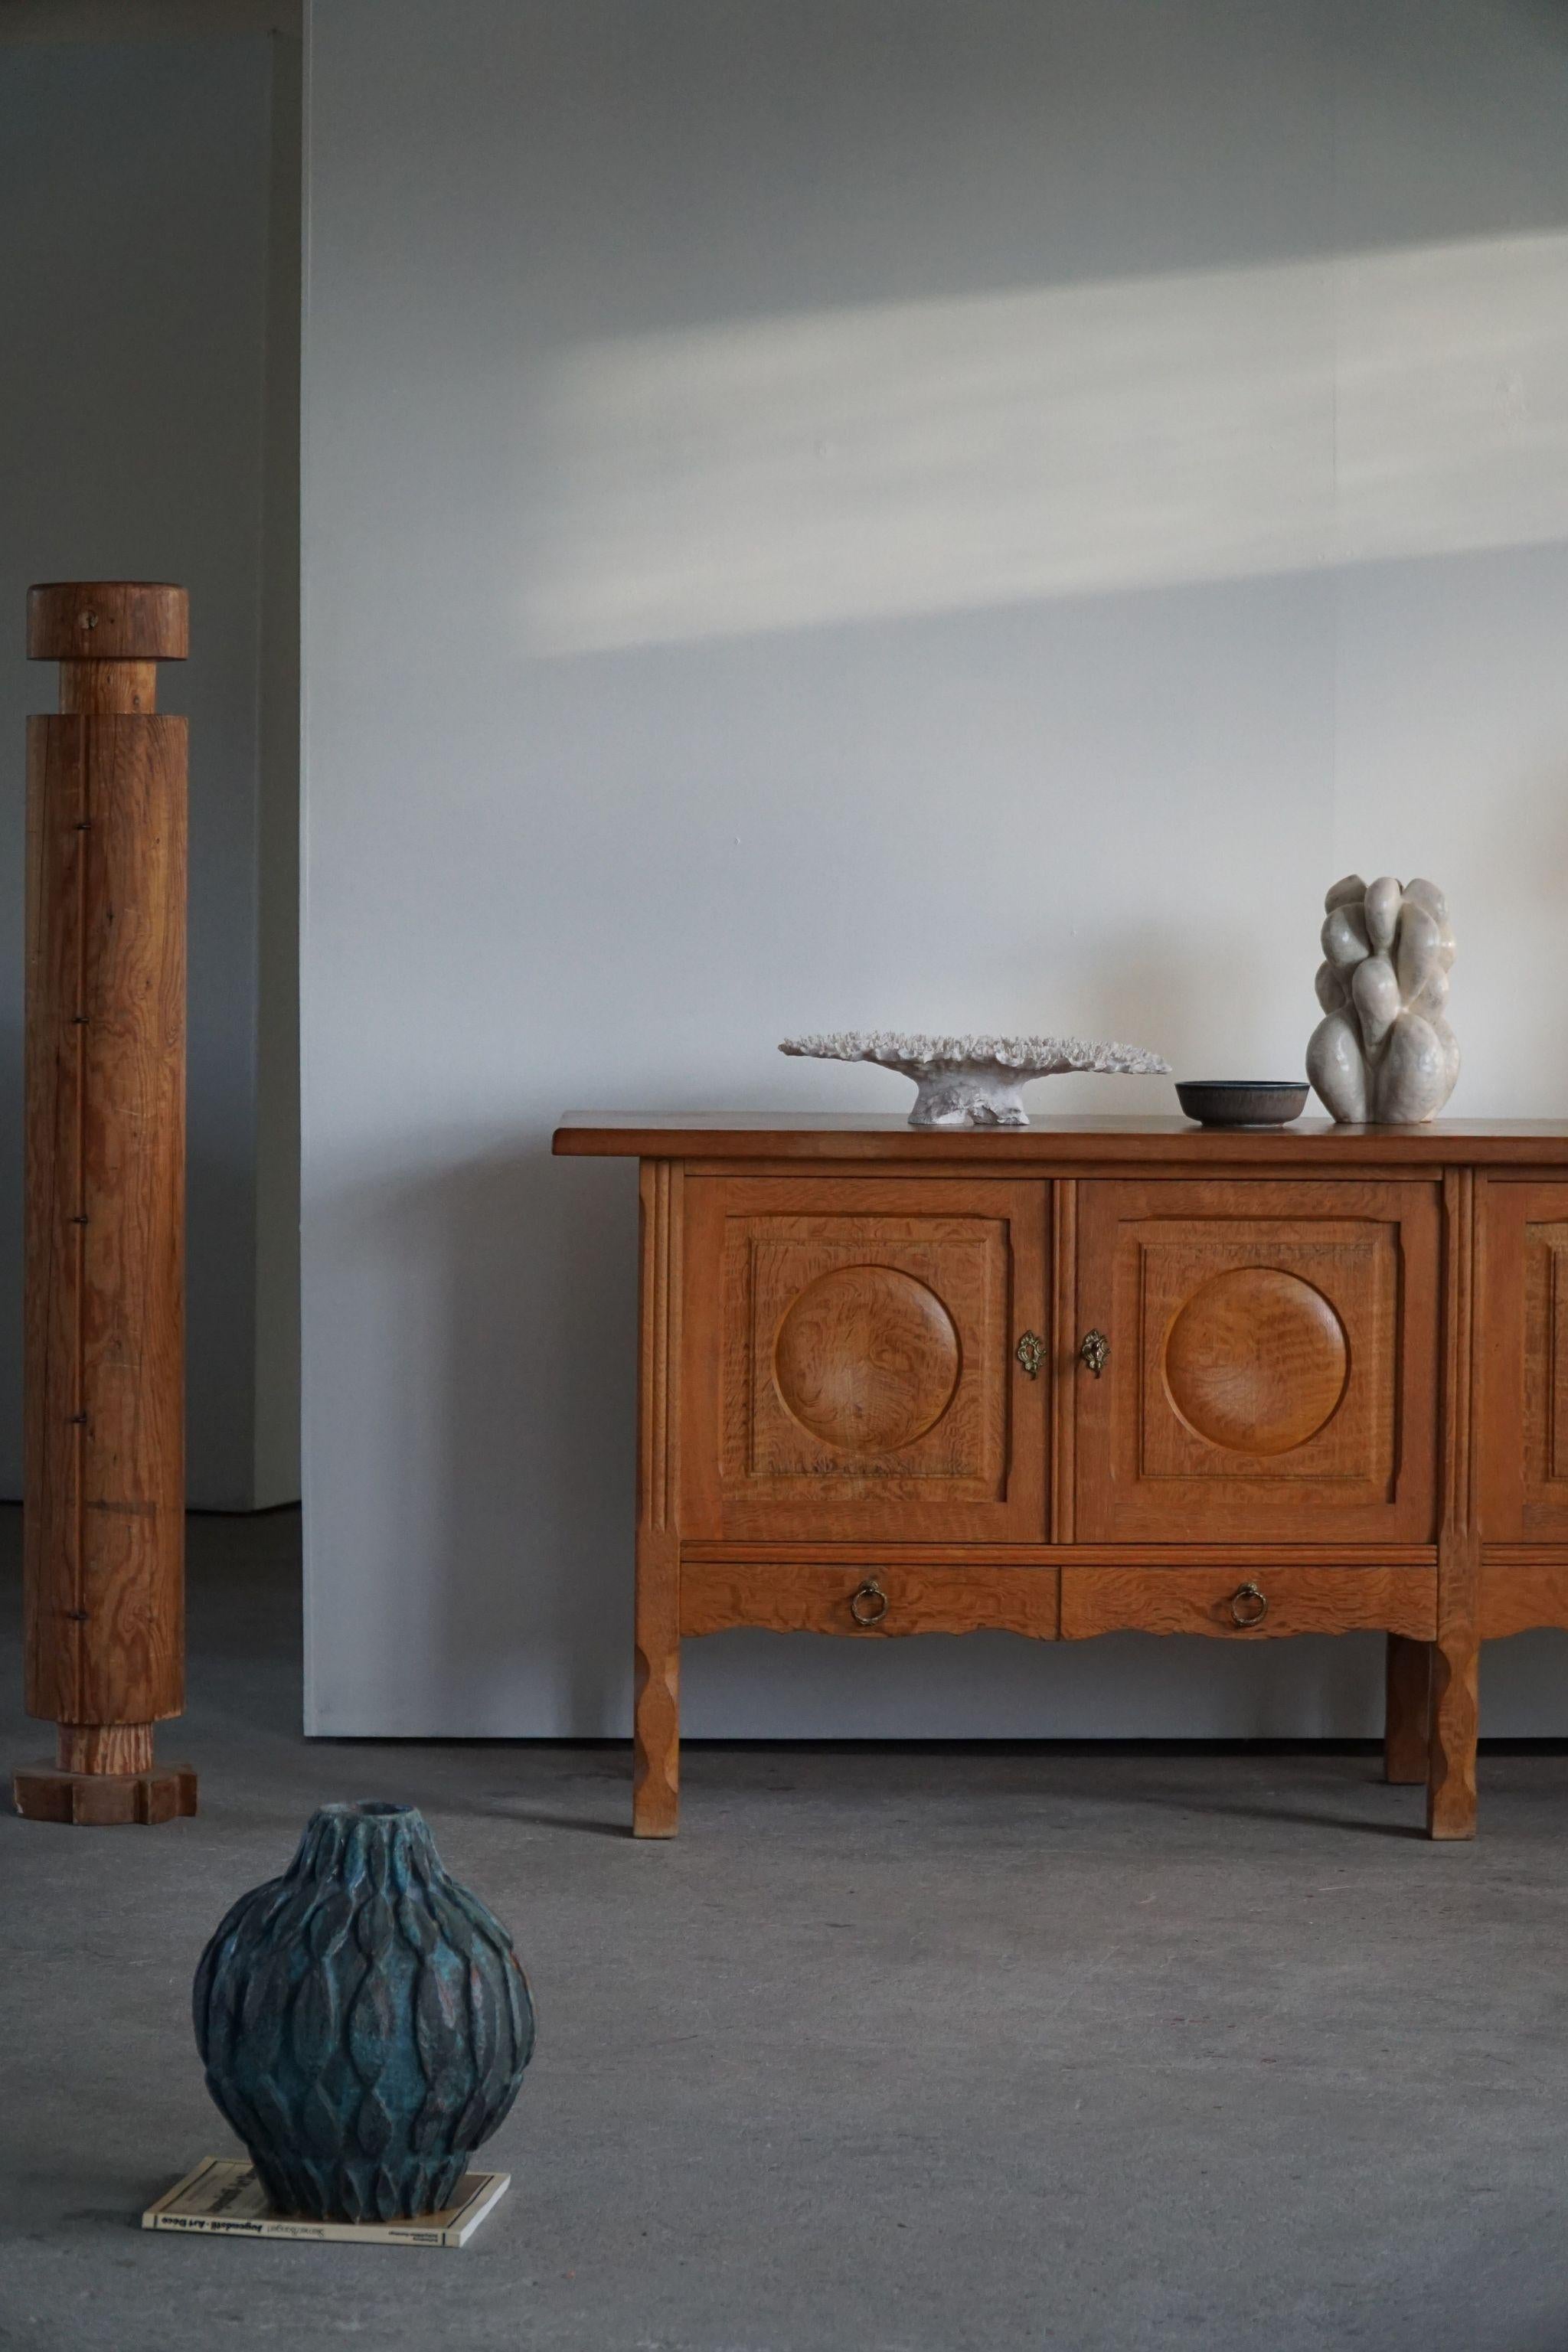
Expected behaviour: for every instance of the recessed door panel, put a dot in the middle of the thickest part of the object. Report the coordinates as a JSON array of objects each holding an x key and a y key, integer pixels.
[
  {"x": 1270, "y": 1365},
  {"x": 1524, "y": 1350},
  {"x": 850, "y": 1358}
]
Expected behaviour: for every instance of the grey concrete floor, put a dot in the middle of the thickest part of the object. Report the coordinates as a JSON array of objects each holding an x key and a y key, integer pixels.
[{"x": 922, "y": 2051}]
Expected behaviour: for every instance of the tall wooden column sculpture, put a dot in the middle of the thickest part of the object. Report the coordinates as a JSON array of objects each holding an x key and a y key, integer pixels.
[{"x": 103, "y": 1529}]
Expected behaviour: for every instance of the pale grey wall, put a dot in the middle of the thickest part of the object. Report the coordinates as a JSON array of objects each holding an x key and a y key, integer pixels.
[
  {"x": 276, "y": 1417},
  {"x": 144, "y": 20},
  {"x": 148, "y": 407},
  {"x": 946, "y": 512}
]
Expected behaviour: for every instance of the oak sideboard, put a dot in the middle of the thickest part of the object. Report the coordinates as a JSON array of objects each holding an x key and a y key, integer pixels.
[{"x": 1101, "y": 1376}]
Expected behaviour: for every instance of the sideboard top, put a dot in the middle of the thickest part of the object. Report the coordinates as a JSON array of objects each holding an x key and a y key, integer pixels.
[{"x": 828, "y": 1135}]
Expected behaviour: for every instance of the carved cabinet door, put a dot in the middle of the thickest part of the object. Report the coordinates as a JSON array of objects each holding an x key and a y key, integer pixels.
[
  {"x": 1270, "y": 1364},
  {"x": 849, "y": 1362},
  {"x": 1524, "y": 1362}
]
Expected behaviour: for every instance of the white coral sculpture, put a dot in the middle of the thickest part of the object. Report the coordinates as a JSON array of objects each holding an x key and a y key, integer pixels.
[
  {"x": 974, "y": 1081},
  {"x": 1383, "y": 1051}
]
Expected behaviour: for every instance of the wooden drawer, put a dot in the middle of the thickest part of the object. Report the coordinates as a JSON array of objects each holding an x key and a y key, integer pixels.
[
  {"x": 1519, "y": 1594},
  {"x": 1271, "y": 1370},
  {"x": 798, "y": 1597},
  {"x": 1293, "y": 1600}
]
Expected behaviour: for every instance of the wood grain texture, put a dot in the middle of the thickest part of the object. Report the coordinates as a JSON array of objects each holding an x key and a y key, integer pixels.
[
  {"x": 656, "y": 1748},
  {"x": 1041, "y": 1168},
  {"x": 104, "y": 1747},
  {"x": 1064, "y": 1354},
  {"x": 1517, "y": 1595},
  {"x": 1200, "y": 1600},
  {"x": 100, "y": 1800},
  {"x": 1273, "y": 1366},
  {"x": 1255, "y": 1360},
  {"x": 1406, "y": 1716},
  {"x": 1305, "y": 1148},
  {"x": 849, "y": 1362},
  {"x": 104, "y": 1527},
  {"x": 91, "y": 688},
  {"x": 1451, "y": 1755},
  {"x": 792, "y": 1597},
  {"x": 54, "y": 1612},
  {"x": 844, "y": 1339},
  {"x": 866, "y": 1358},
  {"x": 1522, "y": 1361},
  {"x": 108, "y": 621},
  {"x": 1244, "y": 1558}
]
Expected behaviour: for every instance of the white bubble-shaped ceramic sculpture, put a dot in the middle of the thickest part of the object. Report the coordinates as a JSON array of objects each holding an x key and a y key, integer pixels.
[
  {"x": 974, "y": 1081},
  {"x": 1383, "y": 1051}
]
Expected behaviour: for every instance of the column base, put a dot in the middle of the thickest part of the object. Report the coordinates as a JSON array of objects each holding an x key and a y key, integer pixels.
[{"x": 44, "y": 1792}]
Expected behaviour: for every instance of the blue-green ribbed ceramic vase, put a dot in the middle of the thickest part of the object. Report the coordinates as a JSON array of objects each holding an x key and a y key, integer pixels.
[{"x": 364, "y": 2021}]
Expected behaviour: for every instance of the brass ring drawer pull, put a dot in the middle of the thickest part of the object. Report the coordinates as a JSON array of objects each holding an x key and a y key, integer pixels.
[
  {"x": 869, "y": 1604},
  {"x": 1095, "y": 1350},
  {"x": 1249, "y": 1606}
]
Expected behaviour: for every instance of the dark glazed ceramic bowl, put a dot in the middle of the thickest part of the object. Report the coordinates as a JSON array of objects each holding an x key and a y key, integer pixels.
[{"x": 1242, "y": 1102}]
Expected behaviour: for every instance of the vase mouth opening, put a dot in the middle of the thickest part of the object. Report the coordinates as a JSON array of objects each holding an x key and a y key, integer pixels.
[{"x": 371, "y": 1809}]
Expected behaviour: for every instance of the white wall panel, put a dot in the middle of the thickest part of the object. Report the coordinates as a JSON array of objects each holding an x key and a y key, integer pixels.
[{"x": 873, "y": 512}]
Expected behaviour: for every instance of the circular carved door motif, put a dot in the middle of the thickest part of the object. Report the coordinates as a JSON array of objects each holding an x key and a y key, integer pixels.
[
  {"x": 1257, "y": 1361},
  {"x": 867, "y": 1359}
]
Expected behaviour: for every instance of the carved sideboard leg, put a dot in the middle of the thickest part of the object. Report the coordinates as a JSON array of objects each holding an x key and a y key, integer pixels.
[
  {"x": 1406, "y": 1720},
  {"x": 656, "y": 1749},
  {"x": 655, "y": 1746},
  {"x": 1451, "y": 1773}
]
